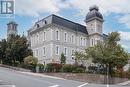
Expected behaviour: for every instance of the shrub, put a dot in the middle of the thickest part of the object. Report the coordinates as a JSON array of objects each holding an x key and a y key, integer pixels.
[
  {"x": 67, "y": 68},
  {"x": 78, "y": 69},
  {"x": 53, "y": 67},
  {"x": 121, "y": 74},
  {"x": 30, "y": 62},
  {"x": 73, "y": 68},
  {"x": 63, "y": 59},
  {"x": 41, "y": 67}
]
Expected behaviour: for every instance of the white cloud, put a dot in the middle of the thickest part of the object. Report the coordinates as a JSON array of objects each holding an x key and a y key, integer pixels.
[
  {"x": 106, "y": 7},
  {"x": 125, "y": 39},
  {"x": 125, "y": 19},
  {"x": 36, "y": 7},
  {"x": 125, "y": 35}
]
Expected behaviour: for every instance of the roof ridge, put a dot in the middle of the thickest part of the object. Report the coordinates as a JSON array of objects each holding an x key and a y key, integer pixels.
[{"x": 67, "y": 20}]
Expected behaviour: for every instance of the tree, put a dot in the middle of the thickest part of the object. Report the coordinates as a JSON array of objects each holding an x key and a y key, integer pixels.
[
  {"x": 109, "y": 53},
  {"x": 79, "y": 57},
  {"x": 30, "y": 60},
  {"x": 14, "y": 50},
  {"x": 63, "y": 59},
  {"x": 3, "y": 46}
]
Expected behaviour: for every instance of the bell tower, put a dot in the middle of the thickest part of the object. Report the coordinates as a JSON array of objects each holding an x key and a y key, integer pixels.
[
  {"x": 11, "y": 28},
  {"x": 94, "y": 24}
]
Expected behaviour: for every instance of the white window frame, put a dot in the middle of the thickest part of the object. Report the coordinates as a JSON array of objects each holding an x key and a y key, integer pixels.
[
  {"x": 44, "y": 51},
  {"x": 81, "y": 41},
  {"x": 65, "y": 37},
  {"x": 57, "y": 49},
  {"x": 72, "y": 38},
  {"x": 72, "y": 52},
  {"x": 44, "y": 36},
  {"x": 65, "y": 51},
  {"x": 57, "y": 35}
]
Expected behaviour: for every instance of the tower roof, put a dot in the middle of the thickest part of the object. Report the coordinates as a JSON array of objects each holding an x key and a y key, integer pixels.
[
  {"x": 12, "y": 22},
  {"x": 94, "y": 14}
]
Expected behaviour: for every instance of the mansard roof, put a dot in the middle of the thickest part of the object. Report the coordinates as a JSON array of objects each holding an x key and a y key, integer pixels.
[
  {"x": 69, "y": 24},
  {"x": 54, "y": 19}
]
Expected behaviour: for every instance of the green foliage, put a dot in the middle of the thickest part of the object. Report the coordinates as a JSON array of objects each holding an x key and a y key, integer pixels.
[
  {"x": 15, "y": 49},
  {"x": 109, "y": 53},
  {"x": 73, "y": 68},
  {"x": 41, "y": 67},
  {"x": 53, "y": 67},
  {"x": 30, "y": 60},
  {"x": 63, "y": 59},
  {"x": 79, "y": 57},
  {"x": 67, "y": 68}
]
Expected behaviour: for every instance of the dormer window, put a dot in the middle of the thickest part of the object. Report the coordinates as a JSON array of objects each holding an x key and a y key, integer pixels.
[
  {"x": 45, "y": 22},
  {"x": 37, "y": 25}
]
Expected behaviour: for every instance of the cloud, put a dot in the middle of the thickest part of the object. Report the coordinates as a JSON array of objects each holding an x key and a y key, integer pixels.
[
  {"x": 37, "y": 7},
  {"x": 125, "y": 19},
  {"x": 125, "y": 39},
  {"x": 106, "y": 7},
  {"x": 125, "y": 35}
]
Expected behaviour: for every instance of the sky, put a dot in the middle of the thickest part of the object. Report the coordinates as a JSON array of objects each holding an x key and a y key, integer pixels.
[{"x": 116, "y": 15}]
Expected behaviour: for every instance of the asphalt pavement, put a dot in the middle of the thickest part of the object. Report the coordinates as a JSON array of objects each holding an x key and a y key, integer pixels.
[{"x": 12, "y": 78}]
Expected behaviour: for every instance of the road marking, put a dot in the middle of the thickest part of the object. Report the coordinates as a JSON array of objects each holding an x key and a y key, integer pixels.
[
  {"x": 83, "y": 85},
  {"x": 8, "y": 85},
  {"x": 13, "y": 85},
  {"x": 54, "y": 86}
]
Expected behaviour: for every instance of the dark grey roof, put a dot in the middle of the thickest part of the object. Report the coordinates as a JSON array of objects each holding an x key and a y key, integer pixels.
[
  {"x": 69, "y": 24},
  {"x": 62, "y": 22},
  {"x": 12, "y": 22},
  {"x": 94, "y": 13}
]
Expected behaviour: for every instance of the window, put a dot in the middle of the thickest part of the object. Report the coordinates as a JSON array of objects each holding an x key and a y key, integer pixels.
[
  {"x": 37, "y": 52},
  {"x": 81, "y": 41},
  {"x": 44, "y": 51},
  {"x": 72, "y": 39},
  {"x": 65, "y": 51},
  {"x": 57, "y": 35},
  {"x": 44, "y": 36},
  {"x": 65, "y": 37},
  {"x": 92, "y": 42},
  {"x": 72, "y": 53},
  {"x": 57, "y": 50},
  {"x": 45, "y": 22},
  {"x": 37, "y": 25},
  {"x": 37, "y": 38},
  {"x": 84, "y": 42}
]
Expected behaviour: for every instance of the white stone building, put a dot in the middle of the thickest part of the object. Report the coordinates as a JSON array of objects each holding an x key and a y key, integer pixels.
[{"x": 53, "y": 35}]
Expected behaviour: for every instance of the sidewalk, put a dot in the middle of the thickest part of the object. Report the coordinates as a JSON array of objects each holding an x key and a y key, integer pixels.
[{"x": 124, "y": 83}]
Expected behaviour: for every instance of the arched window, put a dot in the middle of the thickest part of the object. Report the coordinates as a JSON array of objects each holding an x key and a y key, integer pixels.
[
  {"x": 65, "y": 51},
  {"x": 72, "y": 39},
  {"x": 57, "y": 50},
  {"x": 65, "y": 37},
  {"x": 57, "y": 35},
  {"x": 81, "y": 41},
  {"x": 44, "y": 36},
  {"x": 92, "y": 42}
]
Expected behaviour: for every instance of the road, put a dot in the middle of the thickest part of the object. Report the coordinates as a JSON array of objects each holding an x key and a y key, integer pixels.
[{"x": 12, "y": 78}]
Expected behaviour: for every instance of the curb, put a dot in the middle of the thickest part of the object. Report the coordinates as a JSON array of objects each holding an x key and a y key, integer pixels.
[{"x": 15, "y": 68}]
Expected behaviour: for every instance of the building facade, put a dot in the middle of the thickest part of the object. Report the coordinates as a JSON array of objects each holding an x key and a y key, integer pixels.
[
  {"x": 11, "y": 28},
  {"x": 54, "y": 35}
]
